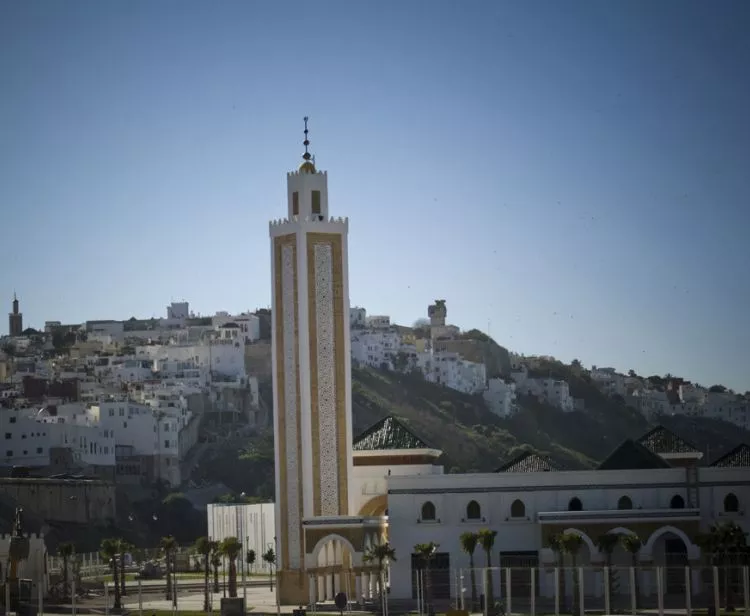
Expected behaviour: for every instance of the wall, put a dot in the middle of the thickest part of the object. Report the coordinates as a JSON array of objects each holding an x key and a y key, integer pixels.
[
  {"x": 33, "y": 568},
  {"x": 59, "y": 500},
  {"x": 253, "y": 523}
]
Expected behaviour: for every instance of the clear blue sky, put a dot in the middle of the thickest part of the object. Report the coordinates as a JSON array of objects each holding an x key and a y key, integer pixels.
[{"x": 575, "y": 174}]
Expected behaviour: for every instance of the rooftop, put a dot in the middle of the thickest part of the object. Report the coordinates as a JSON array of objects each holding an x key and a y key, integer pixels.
[
  {"x": 388, "y": 433},
  {"x": 528, "y": 462}
]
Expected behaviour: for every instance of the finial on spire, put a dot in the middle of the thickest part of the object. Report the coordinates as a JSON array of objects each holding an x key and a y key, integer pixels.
[{"x": 306, "y": 142}]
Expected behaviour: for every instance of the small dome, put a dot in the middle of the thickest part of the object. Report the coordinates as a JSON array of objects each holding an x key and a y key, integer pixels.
[{"x": 307, "y": 167}]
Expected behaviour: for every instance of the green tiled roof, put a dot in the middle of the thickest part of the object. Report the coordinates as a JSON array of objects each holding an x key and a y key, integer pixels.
[
  {"x": 632, "y": 456},
  {"x": 388, "y": 433},
  {"x": 528, "y": 462},
  {"x": 660, "y": 440},
  {"x": 739, "y": 457}
]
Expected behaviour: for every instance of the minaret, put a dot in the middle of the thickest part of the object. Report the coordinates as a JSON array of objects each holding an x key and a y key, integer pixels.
[
  {"x": 311, "y": 369},
  {"x": 15, "y": 319}
]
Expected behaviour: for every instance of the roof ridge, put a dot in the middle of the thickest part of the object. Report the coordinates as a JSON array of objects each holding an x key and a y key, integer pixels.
[{"x": 731, "y": 453}]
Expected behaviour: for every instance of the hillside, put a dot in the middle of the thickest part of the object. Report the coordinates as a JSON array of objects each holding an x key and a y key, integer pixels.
[{"x": 472, "y": 438}]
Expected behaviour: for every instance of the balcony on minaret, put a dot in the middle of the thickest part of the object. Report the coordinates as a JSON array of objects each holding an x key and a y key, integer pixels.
[{"x": 307, "y": 194}]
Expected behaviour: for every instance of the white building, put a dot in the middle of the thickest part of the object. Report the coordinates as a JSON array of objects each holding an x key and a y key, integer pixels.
[
  {"x": 528, "y": 500},
  {"x": 375, "y": 347},
  {"x": 221, "y": 357},
  {"x": 41, "y": 438},
  {"x": 450, "y": 370},
  {"x": 500, "y": 397},
  {"x": 254, "y": 525},
  {"x": 378, "y": 321},
  {"x": 246, "y": 326},
  {"x": 553, "y": 391},
  {"x": 178, "y": 311}
]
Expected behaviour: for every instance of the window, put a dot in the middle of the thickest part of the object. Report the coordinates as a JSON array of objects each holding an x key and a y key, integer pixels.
[
  {"x": 677, "y": 502},
  {"x": 8, "y": 435},
  {"x": 428, "y": 511},
  {"x": 575, "y": 504},
  {"x": 316, "y": 202},
  {"x": 111, "y": 412},
  {"x": 166, "y": 444},
  {"x": 9, "y": 454},
  {"x": 731, "y": 503},
  {"x": 295, "y": 203},
  {"x": 39, "y": 450},
  {"x": 12, "y": 420},
  {"x": 518, "y": 509},
  {"x": 473, "y": 511},
  {"x": 624, "y": 503}
]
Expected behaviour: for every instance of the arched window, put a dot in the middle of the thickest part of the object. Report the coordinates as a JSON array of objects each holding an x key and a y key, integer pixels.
[
  {"x": 473, "y": 511},
  {"x": 677, "y": 502},
  {"x": 518, "y": 509},
  {"x": 575, "y": 504},
  {"x": 428, "y": 511},
  {"x": 624, "y": 503},
  {"x": 731, "y": 503}
]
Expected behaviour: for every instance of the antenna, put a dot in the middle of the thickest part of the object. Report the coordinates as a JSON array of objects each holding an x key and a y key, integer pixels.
[{"x": 306, "y": 142}]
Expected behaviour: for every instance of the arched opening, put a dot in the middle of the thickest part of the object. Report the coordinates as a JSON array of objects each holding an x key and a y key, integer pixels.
[
  {"x": 575, "y": 504},
  {"x": 428, "y": 511},
  {"x": 677, "y": 502},
  {"x": 334, "y": 560},
  {"x": 624, "y": 503},
  {"x": 473, "y": 511},
  {"x": 731, "y": 503},
  {"x": 669, "y": 551},
  {"x": 518, "y": 509}
]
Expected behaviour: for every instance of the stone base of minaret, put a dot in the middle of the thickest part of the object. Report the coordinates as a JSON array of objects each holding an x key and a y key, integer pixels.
[{"x": 293, "y": 587}]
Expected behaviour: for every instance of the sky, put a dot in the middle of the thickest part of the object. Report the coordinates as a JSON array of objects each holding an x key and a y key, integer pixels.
[{"x": 570, "y": 176}]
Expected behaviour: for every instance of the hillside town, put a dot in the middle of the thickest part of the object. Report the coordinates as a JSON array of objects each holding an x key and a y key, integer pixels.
[{"x": 124, "y": 400}]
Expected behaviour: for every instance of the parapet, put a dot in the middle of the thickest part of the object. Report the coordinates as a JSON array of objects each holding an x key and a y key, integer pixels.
[
  {"x": 341, "y": 220},
  {"x": 292, "y": 173},
  {"x": 8, "y": 536}
]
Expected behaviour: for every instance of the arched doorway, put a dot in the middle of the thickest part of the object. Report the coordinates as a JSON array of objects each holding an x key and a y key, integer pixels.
[
  {"x": 333, "y": 571},
  {"x": 670, "y": 551}
]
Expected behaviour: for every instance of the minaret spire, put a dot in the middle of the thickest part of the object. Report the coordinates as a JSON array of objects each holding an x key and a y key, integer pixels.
[{"x": 308, "y": 163}]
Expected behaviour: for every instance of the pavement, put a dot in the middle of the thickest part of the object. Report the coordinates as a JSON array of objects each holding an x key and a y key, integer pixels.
[{"x": 261, "y": 599}]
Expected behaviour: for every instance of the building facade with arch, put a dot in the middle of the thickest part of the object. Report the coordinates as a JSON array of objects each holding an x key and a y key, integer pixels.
[{"x": 666, "y": 500}]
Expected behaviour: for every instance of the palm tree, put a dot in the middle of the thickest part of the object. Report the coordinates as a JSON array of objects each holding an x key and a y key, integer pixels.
[
  {"x": 607, "y": 544},
  {"x": 110, "y": 548},
  {"x": 169, "y": 545},
  {"x": 380, "y": 554},
  {"x": 555, "y": 544},
  {"x": 723, "y": 541},
  {"x": 487, "y": 541},
  {"x": 65, "y": 551},
  {"x": 633, "y": 544},
  {"x": 426, "y": 552},
  {"x": 124, "y": 547},
  {"x": 216, "y": 562},
  {"x": 469, "y": 544},
  {"x": 203, "y": 547},
  {"x": 231, "y": 548},
  {"x": 571, "y": 544},
  {"x": 270, "y": 558}
]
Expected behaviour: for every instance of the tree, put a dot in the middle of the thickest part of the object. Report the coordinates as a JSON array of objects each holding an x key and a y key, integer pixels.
[
  {"x": 722, "y": 542},
  {"x": 65, "y": 551},
  {"x": 632, "y": 374},
  {"x": 576, "y": 363},
  {"x": 169, "y": 546},
  {"x": 469, "y": 544},
  {"x": 270, "y": 558},
  {"x": 110, "y": 548},
  {"x": 250, "y": 559},
  {"x": 124, "y": 547},
  {"x": 487, "y": 541},
  {"x": 632, "y": 545},
  {"x": 216, "y": 562},
  {"x": 203, "y": 547},
  {"x": 555, "y": 544},
  {"x": 231, "y": 548},
  {"x": 607, "y": 544},
  {"x": 380, "y": 554},
  {"x": 717, "y": 389},
  {"x": 426, "y": 552},
  {"x": 571, "y": 544}
]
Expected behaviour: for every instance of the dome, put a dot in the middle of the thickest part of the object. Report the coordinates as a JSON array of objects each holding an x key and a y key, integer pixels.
[{"x": 307, "y": 167}]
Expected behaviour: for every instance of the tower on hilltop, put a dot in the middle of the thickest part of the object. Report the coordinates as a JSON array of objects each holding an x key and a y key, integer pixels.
[
  {"x": 311, "y": 376},
  {"x": 15, "y": 319}
]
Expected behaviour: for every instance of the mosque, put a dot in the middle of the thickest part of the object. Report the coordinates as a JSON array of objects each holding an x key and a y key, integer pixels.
[{"x": 336, "y": 496}]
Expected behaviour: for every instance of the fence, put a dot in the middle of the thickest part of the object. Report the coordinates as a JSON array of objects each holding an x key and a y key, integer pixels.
[{"x": 575, "y": 590}]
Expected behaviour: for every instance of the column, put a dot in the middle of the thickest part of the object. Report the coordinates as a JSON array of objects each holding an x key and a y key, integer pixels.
[{"x": 320, "y": 582}]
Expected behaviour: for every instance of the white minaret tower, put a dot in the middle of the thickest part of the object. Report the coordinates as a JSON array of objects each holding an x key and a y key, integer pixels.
[{"x": 311, "y": 370}]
